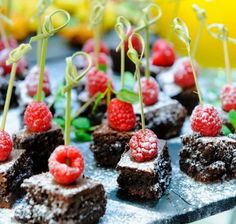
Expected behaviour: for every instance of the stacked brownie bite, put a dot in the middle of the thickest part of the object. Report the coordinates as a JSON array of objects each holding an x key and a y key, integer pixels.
[
  {"x": 147, "y": 179},
  {"x": 46, "y": 201}
]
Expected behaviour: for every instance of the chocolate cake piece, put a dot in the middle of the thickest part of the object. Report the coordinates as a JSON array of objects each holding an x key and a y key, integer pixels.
[
  {"x": 83, "y": 202},
  {"x": 208, "y": 159},
  {"x": 145, "y": 180},
  {"x": 94, "y": 117},
  {"x": 12, "y": 173},
  {"x": 3, "y": 92},
  {"x": 39, "y": 146},
  {"x": 165, "y": 118},
  {"x": 109, "y": 144}
]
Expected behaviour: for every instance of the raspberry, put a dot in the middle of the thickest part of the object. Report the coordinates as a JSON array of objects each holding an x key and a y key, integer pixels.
[
  {"x": 21, "y": 66},
  {"x": 150, "y": 90},
  {"x": 228, "y": 97},
  {"x": 32, "y": 80},
  {"x": 163, "y": 53},
  {"x": 89, "y": 47},
  {"x": 121, "y": 116},
  {"x": 135, "y": 41},
  {"x": 66, "y": 164},
  {"x": 12, "y": 42},
  {"x": 38, "y": 117},
  {"x": 143, "y": 145},
  {"x": 97, "y": 81},
  {"x": 5, "y": 145},
  {"x": 206, "y": 120},
  {"x": 183, "y": 76}
]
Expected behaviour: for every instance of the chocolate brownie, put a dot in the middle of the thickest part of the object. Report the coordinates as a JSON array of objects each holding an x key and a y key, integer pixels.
[
  {"x": 12, "y": 173},
  {"x": 39, "y": 146},
  {"x": 94, "y": 117},
  {"x": 186, "y": 96},
  {"x": 3, "y": 93},
  {"x": 83, "y": 202},
  {"x": 109, "y": 144},
  {"x": 208, "y": 159},
  {"x": 154, "y": 70},
  {"x": 165, "y": 118},
  {"x": 145, "y": 180}
]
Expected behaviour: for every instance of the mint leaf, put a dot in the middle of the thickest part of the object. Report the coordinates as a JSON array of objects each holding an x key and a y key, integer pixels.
[
  {"x": 102, "y": 67},
  {"x": 81, "y": 123},
  {"x": 60, "y": 121},
  {"x": 82, "y": 136},
  {"x": 127, "y": 96},
  {"x": 232, "y": 118},
  {"x": 129, "y": 80},
  {"x": 226, "y": 131},
  {"x": 97, "y": 101}
]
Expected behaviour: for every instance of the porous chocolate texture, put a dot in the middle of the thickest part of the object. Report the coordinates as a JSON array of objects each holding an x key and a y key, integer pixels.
[
  {"x": 83, "y": 202},
  {"x": 208, "y": 159},
  {"x": 94, "y": 117},
  {"x": 39, "y": 145},
  {"x": 109, "y": 144},
  {"x": 145, "y": 180},
  {"x": 165, "y": 118},
  {"x": 12, "y": 173},
  {"x": 3, "y": 93}
]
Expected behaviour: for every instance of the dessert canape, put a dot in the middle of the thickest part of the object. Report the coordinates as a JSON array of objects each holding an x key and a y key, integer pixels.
[
  {"x": 27, "y": 89},
  {"x": 97, "y": 79},
  {"x": 111, "y": 137},
  {"x": 145, "y": 168},
  {"x": 40, "y": 137},
  {"x": 64, "y": 195},
  {"x": 206, "y": 156},
  {"x": 163, "y": 115},
  {"x": 15, "y": 166}
]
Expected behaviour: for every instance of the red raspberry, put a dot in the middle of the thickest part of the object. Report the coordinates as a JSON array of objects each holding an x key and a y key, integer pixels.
[
  {"x": 183, "y": 76},
  {"x": 228, "y": 97},
  {"x": 97, "y": 81},
  {"x": 32, "y": 80},
  {"x": 143, "y": 145},
  {"x": 206, "y": 120},
  {"x": 89, "y": 47},
  {"x": 163, "y": 53},
  {"x": 120, "y": 115},
  {"x": 66, "y": 164},
  {"x": 12, "y": 42},
  {"x": 135, "y": 41},
  {"x": 38, "y": 117},
  {"x": 21, "y": 66},
  {"x": 150, "y": 90},
  {"x": 5, "y": 145}
]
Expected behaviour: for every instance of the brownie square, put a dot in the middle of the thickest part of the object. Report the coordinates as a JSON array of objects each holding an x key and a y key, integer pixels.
[
  {"x": 109, "y": 144},
  {"x": 146, "y": 180},
  {"x": 208, "y": 159},
  {"x": 12, "y": 173},
  {"x": 3, "y": 93},
  {"x": 165, "y": 118},
  {"x": 39, "y": 146},
  {"x": 48, "y": 202}
]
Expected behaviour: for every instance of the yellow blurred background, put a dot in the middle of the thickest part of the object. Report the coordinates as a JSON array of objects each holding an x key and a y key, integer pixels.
[{"x": 210, "y": 50}]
